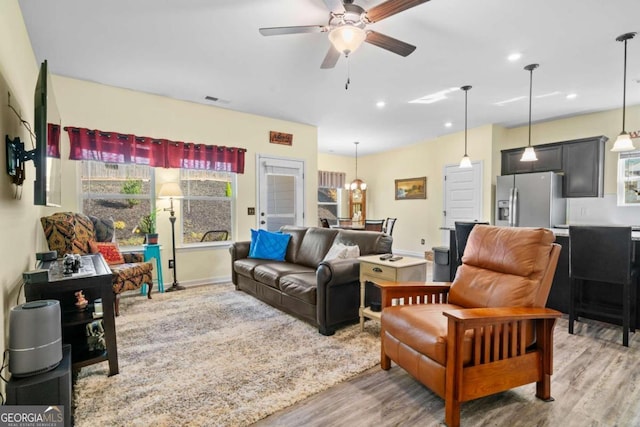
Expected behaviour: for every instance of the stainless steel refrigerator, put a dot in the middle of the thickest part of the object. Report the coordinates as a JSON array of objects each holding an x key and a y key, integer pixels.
[{"x": 530, "y": 200}]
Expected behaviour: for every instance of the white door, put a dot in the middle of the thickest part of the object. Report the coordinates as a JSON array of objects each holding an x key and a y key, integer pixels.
[
  {"x": 462, "y": 195},
  {"x": 280, "y": 192}
]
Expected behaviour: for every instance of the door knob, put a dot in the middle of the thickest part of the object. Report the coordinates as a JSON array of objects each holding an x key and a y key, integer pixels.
[{"x": 263, "y": 222}]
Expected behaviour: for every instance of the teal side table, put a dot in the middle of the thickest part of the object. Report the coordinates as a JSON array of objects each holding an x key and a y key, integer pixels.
[{"x": 153, "y": 251}]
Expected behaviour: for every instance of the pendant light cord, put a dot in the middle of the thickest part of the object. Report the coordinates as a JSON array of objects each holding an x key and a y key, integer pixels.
[
  {"x": 465, "y": 120},
  {"x": 624, "y": 86},
  {"x": 530, "y": 96}
]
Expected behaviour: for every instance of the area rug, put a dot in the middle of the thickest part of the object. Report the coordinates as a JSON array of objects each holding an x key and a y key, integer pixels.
[{"x": 214, "y": 356}]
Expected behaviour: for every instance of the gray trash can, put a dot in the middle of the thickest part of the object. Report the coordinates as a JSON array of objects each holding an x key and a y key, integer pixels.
[{"x": 441, "y": 272}]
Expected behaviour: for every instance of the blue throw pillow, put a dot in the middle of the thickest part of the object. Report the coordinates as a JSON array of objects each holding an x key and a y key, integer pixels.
[
  {"x": 269, "y": 245},
  {"x": 254, "y": 239}
]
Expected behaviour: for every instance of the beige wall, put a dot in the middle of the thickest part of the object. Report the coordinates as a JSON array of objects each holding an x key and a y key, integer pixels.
[
  {"x": 95, "y": 106},
  {"x": 18, "y": 217}
]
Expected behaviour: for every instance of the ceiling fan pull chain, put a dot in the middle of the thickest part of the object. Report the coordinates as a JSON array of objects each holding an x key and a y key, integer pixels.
[{"x": 346, "y": 86}]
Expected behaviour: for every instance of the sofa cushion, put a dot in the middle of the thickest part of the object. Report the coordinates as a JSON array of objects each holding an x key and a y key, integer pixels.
[
  {"x": 297, "y": 234},
  {"x": 300, "y": 285},
  {"x": 129, "y": 271},
  {"x": 104, "y": 228},
  {"x": 315, "y": 245},
  {"x": 412, "y": 325},
  {"x": 270, "y": 273},
  {"x": 245, "y": 266},
  {"x": 110, "y": 252}
]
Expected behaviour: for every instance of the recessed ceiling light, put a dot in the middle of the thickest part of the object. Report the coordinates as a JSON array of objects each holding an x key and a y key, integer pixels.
[
  {"x": 380, "y": 104},
  {"x": 514, "y": 56},
  {"x": 448, "y": 124},
  {"x": 572, "y": 96}
]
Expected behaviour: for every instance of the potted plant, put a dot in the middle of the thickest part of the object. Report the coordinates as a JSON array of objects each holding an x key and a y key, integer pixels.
[{"x": 147, "y": 225}]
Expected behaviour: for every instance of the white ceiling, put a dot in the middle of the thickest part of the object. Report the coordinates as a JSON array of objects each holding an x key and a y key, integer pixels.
[{"x": 188, "y": 49}]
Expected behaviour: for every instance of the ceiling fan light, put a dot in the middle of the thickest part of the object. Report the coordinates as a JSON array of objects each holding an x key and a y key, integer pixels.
[
  {"x": 465, "y": 162},
  {"x": 347, "y": 38},
  {"x": 529, "y": 155},
  {"x": 623, "y": 143}
]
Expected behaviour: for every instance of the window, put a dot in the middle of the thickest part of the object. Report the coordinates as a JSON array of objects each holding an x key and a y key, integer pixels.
[
  {"x": 118, "y": 191},
  {"x": 629, "y": 179},
  {"x": 207, "y": 205},
  {"x": 328, "y": 204}
]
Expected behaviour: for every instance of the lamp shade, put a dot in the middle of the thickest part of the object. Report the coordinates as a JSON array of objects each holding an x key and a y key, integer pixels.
[
  {"x": 465, "y": 162},
  {"x": 623, "y": 143},
  {"x": 170, "y": 190},
  {"x": 347, "y": 38},
  {"x": 529, "y": 155}
]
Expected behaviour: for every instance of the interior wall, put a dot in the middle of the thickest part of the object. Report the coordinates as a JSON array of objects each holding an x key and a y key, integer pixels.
[
  {"x": 96, "y": 106},
  {"x": 18, "y": 217}
]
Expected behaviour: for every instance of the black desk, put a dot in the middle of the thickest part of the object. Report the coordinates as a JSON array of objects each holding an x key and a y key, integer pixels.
[{"x": 97, "y": 284}]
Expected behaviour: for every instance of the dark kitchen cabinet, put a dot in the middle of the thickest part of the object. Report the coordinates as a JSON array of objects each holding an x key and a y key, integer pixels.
[
  {"x": 549, "y": 159},
  {"x": 583, "y": 165},
  {"x": 580, "y": 160}
]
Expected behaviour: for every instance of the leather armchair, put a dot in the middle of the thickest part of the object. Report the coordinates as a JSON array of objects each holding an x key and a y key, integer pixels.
[{"x": 485, "y": 332}]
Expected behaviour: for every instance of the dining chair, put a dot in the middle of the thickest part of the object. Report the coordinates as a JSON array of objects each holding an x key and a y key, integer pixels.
[
  {"x": 388, "y": 226},
  {"x": 325, "y": 223},
  {"x": 602, "y": 254},
  {"x": 373, "y": 224},
  {"x": 344, "y": 222}
]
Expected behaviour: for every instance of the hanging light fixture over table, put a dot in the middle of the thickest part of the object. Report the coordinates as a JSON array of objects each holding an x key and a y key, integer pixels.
[
  {"x": 623, "y": 142},
  {"x": 357, "y": 184},
  {"x": 466, "y": 161},
  {"x": 529, "y": 154}
]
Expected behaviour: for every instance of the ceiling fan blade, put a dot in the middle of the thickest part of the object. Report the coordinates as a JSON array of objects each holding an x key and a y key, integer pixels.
[
  {"x": 389, "y": 43},
  {"x": 335, "y": 6},
  {"x": 331, "y": 58},
  {"x": 276, "y": 31},
  {"x": 391, "y": 7}
]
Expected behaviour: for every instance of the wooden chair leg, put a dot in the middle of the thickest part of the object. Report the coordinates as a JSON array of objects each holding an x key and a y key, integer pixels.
[
  {"x": 626, "y": 313},
  {"x": 116, "y": 304},
  {"x": 149, "y": 285},
  {"x": 452, "y": 413},
  {"x": 572, "y": 304}
]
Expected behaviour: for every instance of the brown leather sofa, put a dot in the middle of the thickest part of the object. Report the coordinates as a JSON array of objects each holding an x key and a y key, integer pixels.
[
  {"x": 324, "y": 293},
  {"x": 489, "y": 331}
]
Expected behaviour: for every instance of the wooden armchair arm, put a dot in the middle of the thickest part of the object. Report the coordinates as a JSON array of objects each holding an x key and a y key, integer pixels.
[
  {"x": 479, "y": 316},
  {"x": 418, "y": 292}
]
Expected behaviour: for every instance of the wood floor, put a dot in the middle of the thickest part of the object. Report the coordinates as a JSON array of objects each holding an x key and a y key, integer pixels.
[{"x": 596, "y": 382}]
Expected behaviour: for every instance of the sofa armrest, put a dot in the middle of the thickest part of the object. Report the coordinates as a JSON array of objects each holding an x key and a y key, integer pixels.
[
  {"x": 338, "y": 271},
  {"x": 238, "y": 250},
  {"x": 480, "y": 316}
]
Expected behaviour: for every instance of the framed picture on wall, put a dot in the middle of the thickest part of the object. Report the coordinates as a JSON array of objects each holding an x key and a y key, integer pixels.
[{"x": 411, "y": 188}]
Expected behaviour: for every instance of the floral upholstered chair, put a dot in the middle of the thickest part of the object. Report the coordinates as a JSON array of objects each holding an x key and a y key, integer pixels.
[{"x": 76, "y": 233}]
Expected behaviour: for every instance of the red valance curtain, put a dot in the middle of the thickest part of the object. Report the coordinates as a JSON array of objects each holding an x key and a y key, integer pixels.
[{"x": 112, "y": 147}]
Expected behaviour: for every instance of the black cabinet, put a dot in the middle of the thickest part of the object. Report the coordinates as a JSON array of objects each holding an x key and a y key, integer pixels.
[
  {"x": 583, "y": 165},
  {"x": 49, "y": 388},
  {"x": 95, "y": 282},
  {"x": 580, "y": 160},
  {"x": 549, "y": 159},
  {"x": 559, "y": 294}
]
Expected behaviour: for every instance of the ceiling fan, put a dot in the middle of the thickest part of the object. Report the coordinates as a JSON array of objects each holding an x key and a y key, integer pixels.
[{"x": 347, "y": 28}]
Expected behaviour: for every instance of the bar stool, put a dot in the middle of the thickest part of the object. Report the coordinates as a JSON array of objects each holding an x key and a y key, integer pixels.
[
  {"x": 463, "y": 229},
  {"x": 602, "y": 254},
  {"x": 153, "y": 251}
]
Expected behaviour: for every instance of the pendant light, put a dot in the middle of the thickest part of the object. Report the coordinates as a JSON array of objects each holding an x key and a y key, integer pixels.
[
  {"x": 466, "y": 161},
  {"x": 356, "y": 184},
  {"x": 623, "y": 142},
  {"x": 529, "y": 154}
]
